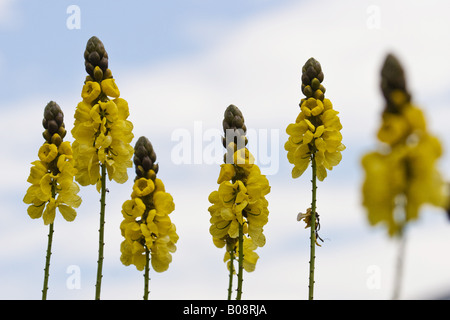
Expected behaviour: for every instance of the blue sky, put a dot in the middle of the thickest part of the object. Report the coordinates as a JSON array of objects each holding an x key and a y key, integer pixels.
[
  {"x": 42, "y": 52},
  {"x": 180, "y": 64}
]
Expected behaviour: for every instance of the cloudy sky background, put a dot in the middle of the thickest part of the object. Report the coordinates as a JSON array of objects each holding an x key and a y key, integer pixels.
[{"x": 179, "y": 64}]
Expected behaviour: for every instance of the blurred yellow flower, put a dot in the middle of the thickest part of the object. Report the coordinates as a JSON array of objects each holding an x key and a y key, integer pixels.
[{"x": 402, "y": 175}]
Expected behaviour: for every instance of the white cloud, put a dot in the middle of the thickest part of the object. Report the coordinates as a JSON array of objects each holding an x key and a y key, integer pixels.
[{"x": 9, "y": 17}]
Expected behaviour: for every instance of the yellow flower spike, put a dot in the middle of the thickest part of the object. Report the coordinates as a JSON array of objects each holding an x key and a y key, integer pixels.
[
  {"x": 102, "y": 134},
  {"x": 239, "y": 208},
  {"x": 146, "y": 216},
  {"x": 317, "y": 142},
  {"x": 402, "y": 175},
  {"x": 51, "y": 177}
]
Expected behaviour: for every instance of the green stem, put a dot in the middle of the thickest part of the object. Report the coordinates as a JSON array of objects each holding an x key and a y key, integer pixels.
[
  {"x": 47, "y": 262},
  {"x": 230, "y": 283},
  {"x": 101, "y": 243},
  {"x": 49, "y": 251},
  {"x": 146, "y": 273},
  {"x": 313, "y": 230},
  {"x": 241, "y": 262},
  {"x": 399, "y": 267}
]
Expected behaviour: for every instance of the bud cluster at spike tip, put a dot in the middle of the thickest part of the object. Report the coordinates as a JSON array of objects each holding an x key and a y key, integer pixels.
[
  {"x": 147, "y": 224},
  {"x": 393, "y": 79},
  {"x": 95, "y": 55},
  {"x": 312, "y": 77},
  {"x": 53, "y": 124},
  {"x": 144, "y": 159},
  {"x": 234, "y": 120}
]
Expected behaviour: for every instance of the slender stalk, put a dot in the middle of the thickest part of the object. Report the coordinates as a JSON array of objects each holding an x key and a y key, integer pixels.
[
  {"x": 49, "y": 252},
  {"x": 230, "y": 283},
  {"x": 101, "y": 242},
  {"x": 399, "y": 268},
  {"x": 47, "y": 262},
  {"x": 241, "y": 262},
  {"x": 400, "y": 216},
  {"x": 146, "y": 273},
  {"x": 313, "y": 230}
]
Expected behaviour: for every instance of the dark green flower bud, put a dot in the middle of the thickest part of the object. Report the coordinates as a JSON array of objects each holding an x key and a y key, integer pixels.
[
  {"x": 392, "y": 79},
  {"x": 312, "y": 76},
  {"x": 98, "y": 74},
  {"x": 315, "y": 84},
  {"x": 234, "y": 127},
  {"x": 53, "y": 122},
  {"x": 56, "y": 139},
  {"x": 95, "y": 55},
  {"x": 307, "y": 91},
  {"x": 144, "y": 159}
]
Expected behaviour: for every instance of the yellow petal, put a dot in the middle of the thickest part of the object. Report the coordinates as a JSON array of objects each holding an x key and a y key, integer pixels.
[
  {"x": 49, "y": 213},
  {"x": 35, "y": 211},
  {"x": 67, "y": 212},
  {"x": 110, "y": 88}
]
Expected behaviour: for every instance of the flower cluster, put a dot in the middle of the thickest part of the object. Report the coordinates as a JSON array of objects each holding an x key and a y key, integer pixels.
[
  {"x": 316, "y": 131},
  {"x": 240, "y": 199},
  {"x": 146, "y": 224},
  {"x": 51, "y": 176},
  {"x": 101, "y": 130},
  {"x": 403, "y": 172}
]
